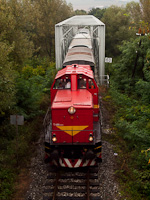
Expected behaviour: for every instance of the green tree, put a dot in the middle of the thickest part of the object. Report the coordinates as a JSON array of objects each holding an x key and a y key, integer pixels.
[
  {"x": 47, "y": 13},
  {"x": 7, "y": 84},
  {"x": 32, "y": 84},
  {"x": 12, "y": 23},
  {"x": 145, "y": 6},
  {"x": 133, "y": 64},
  {"x": 97, "y": 12},
  {"x": 133, "y": 9},
  {"x": 117, "y": 29},
  {"x": 80, "y": 12}
]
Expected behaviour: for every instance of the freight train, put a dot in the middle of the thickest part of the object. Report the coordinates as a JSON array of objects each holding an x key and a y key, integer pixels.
[{"x": 73, "y": 132}]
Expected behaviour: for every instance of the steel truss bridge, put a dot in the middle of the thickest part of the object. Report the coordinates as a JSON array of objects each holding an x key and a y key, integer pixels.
[{"x": 66, "y": 30}]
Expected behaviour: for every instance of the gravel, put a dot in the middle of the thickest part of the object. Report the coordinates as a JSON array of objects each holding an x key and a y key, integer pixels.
[
  {"x": 109, "y": 187},
  {"x": 38, "y": 172}
]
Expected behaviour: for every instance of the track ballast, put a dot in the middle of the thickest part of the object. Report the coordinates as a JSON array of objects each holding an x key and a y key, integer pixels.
[{"x": 74, "y": 184}]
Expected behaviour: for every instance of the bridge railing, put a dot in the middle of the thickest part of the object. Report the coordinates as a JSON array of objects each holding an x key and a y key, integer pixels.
[{"x": 104, "y": 80}]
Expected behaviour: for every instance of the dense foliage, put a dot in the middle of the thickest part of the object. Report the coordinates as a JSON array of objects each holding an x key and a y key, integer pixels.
[
  {"x": 117, "y": 24},
  {"x": 130, "y": 82},
  {"x": 97, "y": 12},
  {"x": 27, "y": 70}
]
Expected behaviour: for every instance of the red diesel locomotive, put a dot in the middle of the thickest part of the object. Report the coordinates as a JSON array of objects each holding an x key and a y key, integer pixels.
[{"x": 72, "y": 135}]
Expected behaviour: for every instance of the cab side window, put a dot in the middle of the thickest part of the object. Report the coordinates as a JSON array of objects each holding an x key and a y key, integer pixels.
[
  {"x": 81, "y": 82},
  {"x": 91, "y": 84}
]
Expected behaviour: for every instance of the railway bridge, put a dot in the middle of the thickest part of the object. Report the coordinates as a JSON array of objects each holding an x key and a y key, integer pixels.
[{"x": 67, "y": 29}]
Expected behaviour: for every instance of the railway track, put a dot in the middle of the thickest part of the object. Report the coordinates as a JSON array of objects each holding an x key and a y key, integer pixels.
[{"x": 66, "y": 184}]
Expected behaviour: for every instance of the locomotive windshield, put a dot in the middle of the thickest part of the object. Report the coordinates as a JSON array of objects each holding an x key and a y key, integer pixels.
[{"x": 62, "y": 83}]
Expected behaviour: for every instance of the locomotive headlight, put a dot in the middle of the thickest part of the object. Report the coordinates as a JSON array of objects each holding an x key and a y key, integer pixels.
[
  {"x": 54, "y": 139},
  {"x": 90, "y": 137},
  {"x": 71, "y": 110}
]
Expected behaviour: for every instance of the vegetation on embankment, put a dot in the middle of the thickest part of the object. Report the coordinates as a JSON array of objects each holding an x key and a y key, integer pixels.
[
  {"x": 32, "y": 87},
  {"x": 130, "y": 95},
  {"x": 129, "y": 92},
  {"x": 27, "y": 70}
]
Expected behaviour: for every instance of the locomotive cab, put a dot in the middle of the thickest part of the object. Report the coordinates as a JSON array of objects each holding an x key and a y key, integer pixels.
[{"x": 74, "y": 133}]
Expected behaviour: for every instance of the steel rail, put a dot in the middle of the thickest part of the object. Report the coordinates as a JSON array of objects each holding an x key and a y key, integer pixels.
[
  {"x": 88, "y": 185},
  {"x": 56, "y": 186}
]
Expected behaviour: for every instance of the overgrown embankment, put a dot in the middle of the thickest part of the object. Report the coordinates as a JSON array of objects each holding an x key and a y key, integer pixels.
[
  {"x": 27, "y": 50},
  {"x": 130, "y": 95},
  {"x": 32, "y": 94}
]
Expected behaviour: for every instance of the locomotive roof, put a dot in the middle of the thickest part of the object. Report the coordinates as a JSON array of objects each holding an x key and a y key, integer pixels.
[
  {"x": 76, "y": 69},
  {"x": 78, "y": 54}
]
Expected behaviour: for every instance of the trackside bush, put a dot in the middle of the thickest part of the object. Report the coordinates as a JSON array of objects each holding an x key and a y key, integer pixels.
[{"x": 130, "y": 83}]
